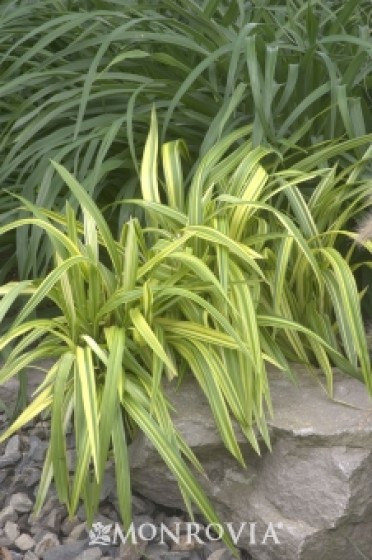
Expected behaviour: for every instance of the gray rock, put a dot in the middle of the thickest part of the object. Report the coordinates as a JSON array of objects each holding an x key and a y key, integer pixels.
[
  {"x": 53, "y": 519},
  {"x": 40, "y": 533},
  {"x": 186, "y": 542},
  {"x": 142, "y": 506},
  {"x": 3, "y": 496},
  {"x": 94, "y": 553},
  {"x": 112, "y": 551},
  {"x": 108, "y": 510},
  {"x": 23, "y": 522},
  {"x": 12, "y": 452},
  {"x": 64, "y": 551},
  {"x": 16, "y": 555},
  {"x": 129, "y": 551},
  {"x": 221, "y": 554},
  {"x": 37, "y": 450},
  {"x": 13, "y": 446},
  {"x": 30, "y": 476},
  {"x": 77, "y": 533},
  {"x": 51, "y": 503},
  {"x": 37, "y": 530},
  {"x": 197, "y": 555},
  {"x": 11, "y": 531},
  {"x": 176, "y": 524},
  {"x": 7, "y": 514},
  {"x": 109, "y": 486},
  {"x": 160, "y": 517},
  {"x": 41, "y": 430},
  {"x": 3, "y": 474},
  {"x": 30, "y": 556},
  {"x": 48, "y": 541},
  {"x": 4, "y": 541},
  {"x": 211, "y": 547},
  {"x": 68, "y": 525},
  {"x": 51, "y": 514},
  {"x": 311, "y": 497},
  {"x": 156, "y": 551},
  {"x": 24, "y": 542},
  {"x": 9, "y": 459},
  {"x": 80, "y": 514},
  {"x": 20, "y": 502}
]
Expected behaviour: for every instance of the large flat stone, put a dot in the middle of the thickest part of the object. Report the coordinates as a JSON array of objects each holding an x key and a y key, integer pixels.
[{"x": 314, "y": 486}]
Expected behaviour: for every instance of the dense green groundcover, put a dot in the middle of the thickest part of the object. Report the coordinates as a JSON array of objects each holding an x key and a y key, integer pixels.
[
  {"x": 210, "y": 161},
  {"x": 79, "y": 78}
]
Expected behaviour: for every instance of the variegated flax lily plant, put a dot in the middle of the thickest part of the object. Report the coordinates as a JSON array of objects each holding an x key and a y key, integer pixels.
[{"x": 216, "y": 283}]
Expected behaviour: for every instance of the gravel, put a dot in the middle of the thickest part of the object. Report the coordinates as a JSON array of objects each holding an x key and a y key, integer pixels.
[{"x": 53, "y": 536}]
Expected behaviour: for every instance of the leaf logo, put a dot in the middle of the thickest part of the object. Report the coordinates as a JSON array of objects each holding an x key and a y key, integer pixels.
[{"x": 100, "y": 534}]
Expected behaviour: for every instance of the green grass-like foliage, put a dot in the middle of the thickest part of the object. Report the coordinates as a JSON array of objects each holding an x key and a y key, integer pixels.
[
  {"x": 78, "y": 79},
  {"x": 217, "y": 284}
]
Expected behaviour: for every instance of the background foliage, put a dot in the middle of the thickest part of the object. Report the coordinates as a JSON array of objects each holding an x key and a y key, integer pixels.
[{"x": 79, "y": 78}]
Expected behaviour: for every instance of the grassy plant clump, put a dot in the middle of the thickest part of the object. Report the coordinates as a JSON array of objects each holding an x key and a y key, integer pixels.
[
  {"x": 79, "y": 78},
  {"x": 217, "y": 284}
]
